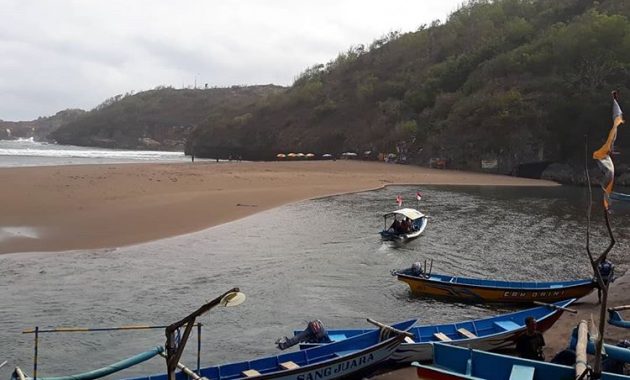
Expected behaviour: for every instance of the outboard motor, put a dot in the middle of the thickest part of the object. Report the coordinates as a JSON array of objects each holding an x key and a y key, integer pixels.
[
  {"x": 607, "y": 270},
  {"x": 416, "y": 269},
  {"x": 314, "y": 333}
]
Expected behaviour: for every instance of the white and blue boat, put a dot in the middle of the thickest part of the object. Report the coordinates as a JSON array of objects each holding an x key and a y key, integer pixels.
[
  {"x": 491, "y": 333},
  {"x": 403, "y": 225}
]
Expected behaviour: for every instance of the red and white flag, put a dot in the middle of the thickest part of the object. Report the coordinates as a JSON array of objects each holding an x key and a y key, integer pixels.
[
  {"x": 399, "y": 200},
  {"x": 418, "y": 196}
]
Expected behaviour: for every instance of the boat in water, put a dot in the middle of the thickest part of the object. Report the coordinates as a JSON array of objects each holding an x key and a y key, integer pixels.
[
  {"x": 491, "y": 333},
  {"x": 476, "y": 290},
  {"x": 403, "y": 225}
]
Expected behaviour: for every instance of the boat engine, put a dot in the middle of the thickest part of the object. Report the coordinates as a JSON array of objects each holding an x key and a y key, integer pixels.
[
  {"x": 315, "y": 332},
  {"x": 416, "y": 269}
]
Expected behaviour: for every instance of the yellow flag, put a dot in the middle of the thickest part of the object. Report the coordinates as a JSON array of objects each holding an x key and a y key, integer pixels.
[{"x": 602, "y": 155}]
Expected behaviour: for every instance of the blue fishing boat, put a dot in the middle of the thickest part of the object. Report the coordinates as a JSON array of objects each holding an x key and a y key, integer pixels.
[
  {"x": 615, "y": 196},
  {"x": 403, "y": 225},
  {"x": 490, "y": 291},
  {"x": 615, "y": 318},
  {"x": 454, "y": 363},
  {"x": 331, "y": 361},
  {"x": 487, "y": 334},
  {"x": 620, "y": 352}
]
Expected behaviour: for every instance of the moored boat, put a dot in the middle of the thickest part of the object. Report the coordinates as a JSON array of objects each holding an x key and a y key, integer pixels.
[
  {"x": 331, "y": 361},
  {"x": 347, "y": 358},
  {"x": 491, "y": 333},
  {"x": 403, "y": 225},
  {"x": 455, "y": 363},
  {"x": 491, "y": 291}
]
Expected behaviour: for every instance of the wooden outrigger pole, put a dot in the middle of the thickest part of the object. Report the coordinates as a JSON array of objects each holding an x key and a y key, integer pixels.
[
  {"x": 603, "y": 285},
  {"x": 174, "y": 349}
]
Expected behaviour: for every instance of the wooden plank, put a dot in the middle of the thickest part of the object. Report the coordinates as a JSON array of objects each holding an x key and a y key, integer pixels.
[
  {"x": 442, "y": 337},
  {"x": 250, "y": 373},
  {"x": 466, "y": 333},
  {"x": 580, "y": 349},
  {"x": 289, "y": 365}
]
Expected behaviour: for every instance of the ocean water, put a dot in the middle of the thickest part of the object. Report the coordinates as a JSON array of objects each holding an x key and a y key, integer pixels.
[
  {"x": 313, "y": 259},
  {"x": 26, "y": 152}
]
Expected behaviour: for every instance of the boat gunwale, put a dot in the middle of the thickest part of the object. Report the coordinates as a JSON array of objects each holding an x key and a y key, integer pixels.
[{"x": 564, "y": 284}]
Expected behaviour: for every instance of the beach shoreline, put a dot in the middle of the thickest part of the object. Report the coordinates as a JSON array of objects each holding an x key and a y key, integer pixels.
[{"x": 60, "y": 208}]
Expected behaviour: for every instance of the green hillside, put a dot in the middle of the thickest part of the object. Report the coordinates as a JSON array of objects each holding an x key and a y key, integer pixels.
[
  {"x": 38, "y": 129},
  {"x": 514, "y": 80},
  {"x": 162, "y": 118},
  {"x": 510, "y": 81}
]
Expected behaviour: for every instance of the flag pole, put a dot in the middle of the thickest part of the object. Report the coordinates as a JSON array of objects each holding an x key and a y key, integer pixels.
[{"x": 602, "y": 154}]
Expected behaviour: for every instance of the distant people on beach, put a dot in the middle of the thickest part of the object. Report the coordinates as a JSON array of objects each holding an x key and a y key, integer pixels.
[{"x": 530, "y": 344}]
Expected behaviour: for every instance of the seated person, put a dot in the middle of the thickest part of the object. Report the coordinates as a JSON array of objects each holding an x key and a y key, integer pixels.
[
  {"x": 405, "y": 226},
  {"x": 396, "y": 226}
]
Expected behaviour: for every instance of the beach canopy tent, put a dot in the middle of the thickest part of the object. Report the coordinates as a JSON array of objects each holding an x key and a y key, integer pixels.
[
  {"x": 326, "y": 156},
  {"x": 281, "y": 155},
  {"x": 310, "y": 155},
  {"x": 300, "y": 155},
  {"x": 291, "y": 155}
]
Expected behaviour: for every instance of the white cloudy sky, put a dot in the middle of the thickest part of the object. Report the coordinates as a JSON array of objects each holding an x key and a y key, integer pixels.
[{"x": 74, "y": 54}]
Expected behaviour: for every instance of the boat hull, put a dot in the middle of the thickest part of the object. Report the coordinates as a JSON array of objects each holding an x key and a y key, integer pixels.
[
  {"x": 492, "y": 333},
  {"x": 423, "y": 352},
  {"x": 453, "y": 363},
  {"x": 337, "y": 360},
  {"x": 428, "y": 287}
]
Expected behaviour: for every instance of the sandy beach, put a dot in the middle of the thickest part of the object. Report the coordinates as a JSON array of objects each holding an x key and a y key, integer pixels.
[{"x": 96, "y": 206}]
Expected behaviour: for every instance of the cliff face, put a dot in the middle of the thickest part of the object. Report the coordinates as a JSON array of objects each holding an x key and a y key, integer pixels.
[
  {"x": 158, "y": 119},
  {"x": 37, "y": 129}
]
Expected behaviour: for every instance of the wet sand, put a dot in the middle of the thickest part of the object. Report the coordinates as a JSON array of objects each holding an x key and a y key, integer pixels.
[{"x": 97, "y": 206}]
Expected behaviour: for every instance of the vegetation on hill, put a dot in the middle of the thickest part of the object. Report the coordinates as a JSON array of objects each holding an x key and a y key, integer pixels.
[
  {"x": 516, "y": 81},
  {"x": 38, "y": 129},
  {"x": 157, "y": 119},
  {"x": 512, "y": 80}
]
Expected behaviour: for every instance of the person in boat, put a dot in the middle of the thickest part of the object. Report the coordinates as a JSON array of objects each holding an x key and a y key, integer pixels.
[
  {"x": 396, "y": 226},
  {"x": 405, "y": 226},
  {"x": 607, "y": 271},
  {"x": 530, "y": 344}
]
